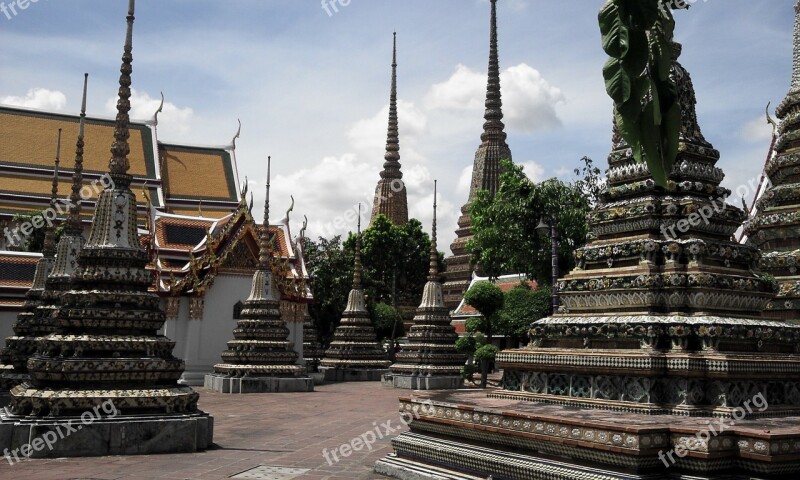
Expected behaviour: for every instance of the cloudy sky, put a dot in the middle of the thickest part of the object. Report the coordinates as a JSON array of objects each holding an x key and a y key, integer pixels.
[{"x": 311, "y": 85}]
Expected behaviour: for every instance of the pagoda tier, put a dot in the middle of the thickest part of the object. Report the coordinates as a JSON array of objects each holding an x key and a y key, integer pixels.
[
  {"x": 260, "y": 357},
  {"x": 355, "y": 354},
  {"x": 429, "y": 361},
  {"x": 391, "y": 197},
  {"x": 486, "y": 170},
  {"x": 775, "y": 229},
  {"x": 658, "y": 330},
  {"x": 105, "y": 351}
]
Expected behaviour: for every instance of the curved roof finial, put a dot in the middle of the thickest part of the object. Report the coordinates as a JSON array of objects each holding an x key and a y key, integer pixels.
[
  {"x": 160, "y": 109},
  {"x": 291, "y": 208},
  {"x": 238, "y": 134},
  {"x": 770, "y": 120}
]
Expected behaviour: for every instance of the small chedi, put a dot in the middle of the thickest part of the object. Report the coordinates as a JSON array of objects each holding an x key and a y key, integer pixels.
[
  {"x": 41, "y": 322},
  {"x": 486, "y": 170},
  {"x": 260, "y": 357},
  {"x": 775, "y": 229},
  {"x": 429, "y": 361},
  {"x": 355, "y": 354},
  {"x": 391, "y": 197},
  {"x": 14, "y": 356},
  {"x": 659, "y": 330},
  {"x": 105, "y": 356}
]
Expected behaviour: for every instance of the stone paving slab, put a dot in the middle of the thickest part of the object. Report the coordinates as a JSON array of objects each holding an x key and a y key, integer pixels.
[{"x": 273, "y": 429}]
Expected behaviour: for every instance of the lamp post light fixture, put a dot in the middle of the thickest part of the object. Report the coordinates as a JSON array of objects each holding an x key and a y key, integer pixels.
[{"x": 549, "y": 225}]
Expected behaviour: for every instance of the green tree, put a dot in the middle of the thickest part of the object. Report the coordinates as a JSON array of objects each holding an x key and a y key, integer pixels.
[
  {"x": 637, "y": 36},
  {"x": 504, "y": 226},
  {"x": 523, "y": 306},
  {"x": 487, "y": 298},
  {"x": 330, "y": 266},
  {"x": 386, "y": 318},
  {"x": 395, "y": 260},
  {"x": 35, "y": 241}
]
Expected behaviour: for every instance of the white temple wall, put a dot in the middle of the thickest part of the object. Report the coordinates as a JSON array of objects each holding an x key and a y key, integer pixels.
[{"x": 205, "y": 325}]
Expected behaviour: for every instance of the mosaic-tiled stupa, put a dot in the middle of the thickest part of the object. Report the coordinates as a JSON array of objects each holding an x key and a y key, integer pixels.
[
  {"x": 429, "y": 361},
  {"x": 106, "y": 356},
  {"x": 658, "y": 332},
  {"x": 775, "y": 229},
  {"x": 260, "y": 357},
  {"x": 355, "y": 354},
  {"x": 486, "y": 170},
  {"x": 391, "y": 197},
  {"x": 14, "y": 356}
]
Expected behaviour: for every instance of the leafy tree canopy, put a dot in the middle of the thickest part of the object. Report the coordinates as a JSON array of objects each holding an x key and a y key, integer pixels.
[{"x": 504, "y": 226}]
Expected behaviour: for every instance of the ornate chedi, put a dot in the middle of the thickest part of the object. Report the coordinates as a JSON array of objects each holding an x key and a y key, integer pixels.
[
  {"x": 775, "y": 229},
  {"x": 486, "y": 171},
  {"x": 355, "y": 354},
  {"x": 260, "y": 357},
  {"x": 14, "y": 357},
  {"x": 659, "y": 330},
  {"x": 105, "y": 356},
  {"x": 430, "y": 360},
  {"x": 391, "y": 198}
]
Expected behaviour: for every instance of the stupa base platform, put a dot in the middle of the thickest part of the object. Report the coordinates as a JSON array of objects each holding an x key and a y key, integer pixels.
[
  {"x": 333, "y": 374},
  {"x": 465, "y": 434},
  {"x": 422, "y": 382},
  {"x": 49, "y": 437},
  {"x": 228, "y": 384}
]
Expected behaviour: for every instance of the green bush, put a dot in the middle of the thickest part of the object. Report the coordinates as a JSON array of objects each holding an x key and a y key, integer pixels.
[{"x": 486, "y": 352}]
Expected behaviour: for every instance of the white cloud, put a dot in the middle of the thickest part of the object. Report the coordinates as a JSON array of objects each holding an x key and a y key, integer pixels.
[
  {"x": 533, "y": 170},
  {"x": 464, "y": 90},
  {"x": 173, "y": 121},
  {"x": 529, "y": 101},
  {"x": 38, "y": 98},
  {"x": 757, "y": 130},
  {"x": 369, "y": 135},
  {"x": 464, "y": 182}
]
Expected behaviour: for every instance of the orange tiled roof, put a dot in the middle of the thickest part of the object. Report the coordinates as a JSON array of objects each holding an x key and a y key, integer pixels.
[
  {"x": 17, "y": 269},
  {"x": 198, "y": 173},
  {"x": 29, "y": 138}
]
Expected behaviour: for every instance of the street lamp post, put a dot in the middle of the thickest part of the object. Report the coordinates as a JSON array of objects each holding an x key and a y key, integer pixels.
[{"x": 549, "y": 224}]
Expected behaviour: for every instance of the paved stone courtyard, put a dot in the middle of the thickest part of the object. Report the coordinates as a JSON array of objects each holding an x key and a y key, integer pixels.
[{"x": 273, "y": 430}]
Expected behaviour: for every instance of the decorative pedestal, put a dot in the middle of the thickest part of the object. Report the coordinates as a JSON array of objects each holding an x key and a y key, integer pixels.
[
  {"x": 120, "y": 435},
  {"x": 421, "y": 382},
  {"x": 227, "y": 384},
  {"x": 464, "y": 434}
]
